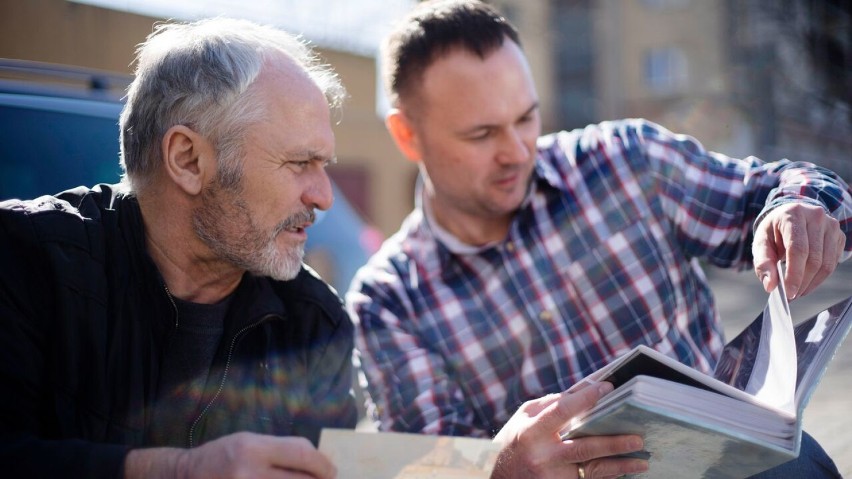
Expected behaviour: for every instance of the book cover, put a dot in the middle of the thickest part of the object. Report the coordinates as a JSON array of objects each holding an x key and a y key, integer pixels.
[{"x": 743, "y": 419}]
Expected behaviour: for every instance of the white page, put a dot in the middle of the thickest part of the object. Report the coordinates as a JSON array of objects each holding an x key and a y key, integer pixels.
[{"x": 773, "y": 378}]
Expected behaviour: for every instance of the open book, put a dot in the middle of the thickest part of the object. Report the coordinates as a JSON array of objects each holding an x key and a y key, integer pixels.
[{"x": 744, "y": 419}]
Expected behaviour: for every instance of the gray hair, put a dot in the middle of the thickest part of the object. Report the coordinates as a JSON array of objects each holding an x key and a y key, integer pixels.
[{"x": 197, "y": 75}]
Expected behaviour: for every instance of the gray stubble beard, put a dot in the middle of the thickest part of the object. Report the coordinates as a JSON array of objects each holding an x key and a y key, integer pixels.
[{"x": 232, "y": 235}]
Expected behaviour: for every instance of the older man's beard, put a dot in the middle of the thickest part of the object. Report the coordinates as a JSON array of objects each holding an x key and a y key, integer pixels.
[{"x": 225, "y": 224}]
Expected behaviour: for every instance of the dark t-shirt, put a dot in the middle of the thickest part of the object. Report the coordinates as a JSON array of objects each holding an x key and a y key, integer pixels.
[{"x": 184, "y": 369}]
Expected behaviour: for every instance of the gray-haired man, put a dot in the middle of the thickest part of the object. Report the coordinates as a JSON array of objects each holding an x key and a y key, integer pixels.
[{"x": 166, "y": 327}]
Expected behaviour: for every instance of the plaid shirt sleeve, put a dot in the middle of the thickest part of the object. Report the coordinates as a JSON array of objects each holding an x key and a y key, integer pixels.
[
  {"x": 407, "y": 381},
  {"x": 714, "y": 201},
  {"x": 454, "y": 343}
]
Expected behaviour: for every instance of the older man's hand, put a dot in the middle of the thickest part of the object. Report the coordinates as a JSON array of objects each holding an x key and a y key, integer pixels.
[{"x": 242, "y": 454}]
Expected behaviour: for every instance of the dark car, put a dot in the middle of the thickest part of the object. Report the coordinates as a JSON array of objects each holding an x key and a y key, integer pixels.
[{"x": 59, "y": 130}]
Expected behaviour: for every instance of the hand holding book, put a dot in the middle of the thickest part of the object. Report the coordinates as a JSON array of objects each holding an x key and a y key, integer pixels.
[{"x": 745, "y": 419}]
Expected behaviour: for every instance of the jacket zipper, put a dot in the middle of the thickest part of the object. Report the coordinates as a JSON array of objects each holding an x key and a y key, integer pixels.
[
  {"x": 237, "y": 336},
  {"x": 172, "y": 300}
]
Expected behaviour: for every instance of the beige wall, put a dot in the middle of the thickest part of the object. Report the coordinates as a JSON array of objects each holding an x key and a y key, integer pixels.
[
  {"x": 63, "y": 32},
  {"x": 532, "y": 19},
  {"x": 626, "y": 29},
  {"x": 623, "y": 31},
  {"x": 362, "y": 140}
]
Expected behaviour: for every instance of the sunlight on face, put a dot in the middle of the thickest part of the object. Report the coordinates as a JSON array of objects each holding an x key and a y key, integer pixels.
[
  {"x": 224, "y": 222},
  {"x": 259, "y": 224},
  {"x": 476, "y": 124}
]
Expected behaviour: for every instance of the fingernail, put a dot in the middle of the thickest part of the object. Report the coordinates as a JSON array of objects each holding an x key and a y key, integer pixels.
[
  {"x": 604, "y": 388},
  {"x": 635, "y": 443},
  {"x": 792, "y": 292},
  {"x": 765, "y": 280},
  {"x": 639, "y": 466}
]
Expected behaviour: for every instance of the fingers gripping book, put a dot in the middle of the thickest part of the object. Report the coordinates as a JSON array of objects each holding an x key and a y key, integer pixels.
[{"x": 744, "y": 419}]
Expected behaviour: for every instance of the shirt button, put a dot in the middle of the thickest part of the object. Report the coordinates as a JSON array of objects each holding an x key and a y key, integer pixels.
[
  {"x": 545, "y": 316},
  {"x": 510, "y": 246}
]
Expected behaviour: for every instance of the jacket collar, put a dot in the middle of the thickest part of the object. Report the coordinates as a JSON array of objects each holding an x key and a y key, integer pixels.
[{"x": 254, "y": 297}]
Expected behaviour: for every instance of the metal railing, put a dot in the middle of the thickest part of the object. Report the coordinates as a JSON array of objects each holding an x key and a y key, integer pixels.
[{"x": 26, "y": 76}]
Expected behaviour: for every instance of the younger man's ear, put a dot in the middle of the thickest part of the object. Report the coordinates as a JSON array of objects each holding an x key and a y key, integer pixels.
[
  {"x": 188, "y": 158},
  {"x": 403, "y": 134}
]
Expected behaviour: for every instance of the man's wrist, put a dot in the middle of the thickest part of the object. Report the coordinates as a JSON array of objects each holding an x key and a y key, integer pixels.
[
  {"x": 157, "y": 462},
  {"x": 783, "y": 201}
]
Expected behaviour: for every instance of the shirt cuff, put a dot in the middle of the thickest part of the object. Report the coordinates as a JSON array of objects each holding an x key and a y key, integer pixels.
[{"x": 783, "y": 201}]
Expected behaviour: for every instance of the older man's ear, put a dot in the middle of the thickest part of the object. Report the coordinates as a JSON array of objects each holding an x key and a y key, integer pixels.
[{"x": 189, "y": 159}]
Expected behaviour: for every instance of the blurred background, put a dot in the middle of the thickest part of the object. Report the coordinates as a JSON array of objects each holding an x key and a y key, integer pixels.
[{"x": 770, "y": 78}]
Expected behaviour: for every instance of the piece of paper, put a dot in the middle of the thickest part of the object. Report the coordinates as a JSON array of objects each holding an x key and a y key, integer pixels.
[{"x": 389, "y": 455}]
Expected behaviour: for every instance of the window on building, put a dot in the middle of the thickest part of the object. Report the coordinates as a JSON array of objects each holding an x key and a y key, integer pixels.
[
  {"x": 665, "y": 70},
  {"x": 665, "y": 4},
  {"x": 573, "y": 50}
]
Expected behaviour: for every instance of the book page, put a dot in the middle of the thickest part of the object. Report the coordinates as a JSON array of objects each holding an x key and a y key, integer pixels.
[
  {"x": 773, "y": 376},
  {"x": 817, "y": 340}
]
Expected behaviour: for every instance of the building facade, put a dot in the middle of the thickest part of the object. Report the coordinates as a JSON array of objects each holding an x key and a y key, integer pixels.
[
  {"x": 728, "y": 72},
  {"x": 369, "y": 166}
]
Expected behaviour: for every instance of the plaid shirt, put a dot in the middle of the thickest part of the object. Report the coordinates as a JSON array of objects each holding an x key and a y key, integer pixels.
[{"x": 600, "y": 257}]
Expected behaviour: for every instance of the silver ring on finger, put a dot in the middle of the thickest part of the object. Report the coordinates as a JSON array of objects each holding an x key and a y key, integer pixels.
[{"x": 581, "y": 471}]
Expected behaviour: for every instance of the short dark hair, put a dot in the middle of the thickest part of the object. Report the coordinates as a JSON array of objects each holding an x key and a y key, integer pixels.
[{"x": 431, "y": 30}]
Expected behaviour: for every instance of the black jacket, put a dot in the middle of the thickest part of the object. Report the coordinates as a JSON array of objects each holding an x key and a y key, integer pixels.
[{"x": 84, "y": 314}]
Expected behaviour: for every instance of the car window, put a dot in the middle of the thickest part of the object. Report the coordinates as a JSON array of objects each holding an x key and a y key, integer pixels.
[{"x": 54, "y": 144}]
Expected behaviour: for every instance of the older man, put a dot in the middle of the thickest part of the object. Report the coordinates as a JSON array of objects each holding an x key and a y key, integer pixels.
[{"x": 166, "y": 327}]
